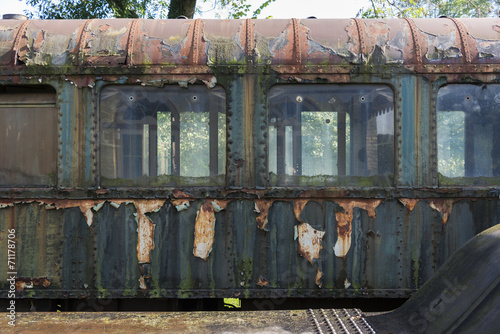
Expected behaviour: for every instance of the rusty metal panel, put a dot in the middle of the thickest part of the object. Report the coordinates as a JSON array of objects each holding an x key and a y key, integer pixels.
[
  {"x": 387, "y": 42},
  {"x": 8, "y": 33},
  {"x": 440, "y": 41},
  {"x": 226, "y": 41},
  {"x": 484, "y": 37},
  {"x": 344, "y": 48},
  {"x": 163, "y": 42},
  {"x": 394, "y": 247},
  {"x": 104, "y": 42},
  {"x": 50, "y": 43}
]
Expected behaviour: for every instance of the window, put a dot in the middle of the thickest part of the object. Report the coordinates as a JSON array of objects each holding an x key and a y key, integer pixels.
[
  {"x": 28, "y": 136},
  {"x": 331, "y": 135},
  {"x": 162, "y": 136},
  {"x": 468, "y": 146}
]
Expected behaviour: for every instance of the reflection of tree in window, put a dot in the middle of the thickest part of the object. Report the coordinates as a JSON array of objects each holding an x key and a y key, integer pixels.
[
  {"x": 467, "y": 116},
  {"x": 162, "y": 136},
  {"x": 310, "y": 129}
]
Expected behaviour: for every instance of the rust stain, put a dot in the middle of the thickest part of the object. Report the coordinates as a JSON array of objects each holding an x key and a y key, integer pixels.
[
  {"x": 262, "y": 208},
  {"x": 28, "y": 282},
  {"x": 142, "y": 283},
  {"x": 344, "y": 220},
  {"x": 204, "y": 230},
  {"x": 409, "y": 203},
  {"x": 318, "y": 279},
  {"x": 309, "y": 241},
  {"x": 145, "y": 226},
  {"x": 443, "y": 206},
  {"x": 298, "y": 206},
  {"x": 104, "y": 27},
  {"x": 262, "y": 282},
  {"x": 85, "y": 206},
  {"x": 181, "y": 204},
  {"x": 181, "y": 200}
]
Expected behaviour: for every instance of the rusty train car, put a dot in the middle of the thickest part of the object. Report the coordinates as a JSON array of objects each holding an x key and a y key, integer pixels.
[{"x": 256, "y": 159}]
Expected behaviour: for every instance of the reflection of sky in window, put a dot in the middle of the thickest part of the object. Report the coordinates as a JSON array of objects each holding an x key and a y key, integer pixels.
[{"x": 385, "y": 122}]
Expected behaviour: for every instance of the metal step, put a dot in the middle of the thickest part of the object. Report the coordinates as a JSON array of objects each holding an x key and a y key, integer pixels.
[{"x": 337, "y": 321}]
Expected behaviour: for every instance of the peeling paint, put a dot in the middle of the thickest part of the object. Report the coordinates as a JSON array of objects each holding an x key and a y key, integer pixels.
[
  {"x": 344, "y": 221},
  {"x": 204, "y": 230},
  {"x": 145, "y": 226},
  {"x": 298, "y": 207},
  {"x": 180, "y": 204},
  {"x": 409, "y": 203},
  {"x": 262, "y": 282},
  {"x": 310, "y": 241},
  {"x": 443, "y": 206},
  {"x": 318, "y": 278},
  {"x": 28, "y": 282},
  {"x": 262, "y": 208}
]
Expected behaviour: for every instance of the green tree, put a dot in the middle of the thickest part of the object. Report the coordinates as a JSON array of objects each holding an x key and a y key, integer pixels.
[
  {"x": 430, "y": 8},
  {"x": 87, "y": 9}
]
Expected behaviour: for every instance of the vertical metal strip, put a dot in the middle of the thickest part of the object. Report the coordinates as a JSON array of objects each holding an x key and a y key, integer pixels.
[
  {"x": 297, "y": 57},
  {"x": 131, "y": 42},
  {"x": 17, "y": 41},
  {"x": 416, "y": 44},
  {"x": 250, "y": 36},
  {"x": 361, "y": 35},
  {"x": 462, "y": 32},
  {"x": 196, "y": 38},
  {"x": 82, "y": 41}
]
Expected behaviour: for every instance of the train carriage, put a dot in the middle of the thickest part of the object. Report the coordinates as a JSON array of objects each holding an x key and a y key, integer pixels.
[{"x": 255, "y": 159}]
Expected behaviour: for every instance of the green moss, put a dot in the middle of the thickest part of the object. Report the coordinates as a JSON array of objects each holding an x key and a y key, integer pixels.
[
  {"x": 331, "y": 180},
  {"x": 165, "y": 180},
  {"x": 468, "y": 181}
]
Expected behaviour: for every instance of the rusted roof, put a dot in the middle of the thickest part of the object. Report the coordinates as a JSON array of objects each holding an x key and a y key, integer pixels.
[{"x": 96, "y": 43}]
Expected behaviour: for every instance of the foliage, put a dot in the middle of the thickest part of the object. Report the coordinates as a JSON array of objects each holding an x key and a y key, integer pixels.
[
  {"x": 237, "y": 9},
  {"x": 430, "y": 8},
  {"x": 158, "y": 9},
  {"x": 86, "y": 9}
]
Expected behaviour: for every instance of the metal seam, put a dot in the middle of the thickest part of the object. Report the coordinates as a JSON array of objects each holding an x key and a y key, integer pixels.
[
  {"x": 131, "y": 41},
  {"x": 416, "y": 45},
  {"x": 82, "y": 41},
  {"x": 195, "y": 44},
  {"x": 361, "y": 35},
  {"x": 296, "y": 41},
  {"x": 462, "y": 32},
  {"x": 20, "y": 32},
  {"x": 249, "y": 35}
]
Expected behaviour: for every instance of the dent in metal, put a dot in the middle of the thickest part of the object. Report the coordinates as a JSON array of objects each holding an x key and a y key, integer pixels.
[
  {"x": 204, "y": 230},
  {"x": 344, "y": 221}
]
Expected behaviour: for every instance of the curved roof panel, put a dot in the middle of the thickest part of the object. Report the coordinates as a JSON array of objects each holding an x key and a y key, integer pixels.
[{"x": 413, "y": 43}]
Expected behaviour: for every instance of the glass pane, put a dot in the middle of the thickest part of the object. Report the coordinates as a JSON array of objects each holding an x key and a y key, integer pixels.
[
  {"x": 28, "y": 136},
  {"x": 450, "y": 140},
  {"x": 310, "y": 141},
  {"x": 162, "y": 136},
  {"x": 319, "y": 143},
  {"x": 468, "y": 149},
  {"x": 195, "y": 156}
]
